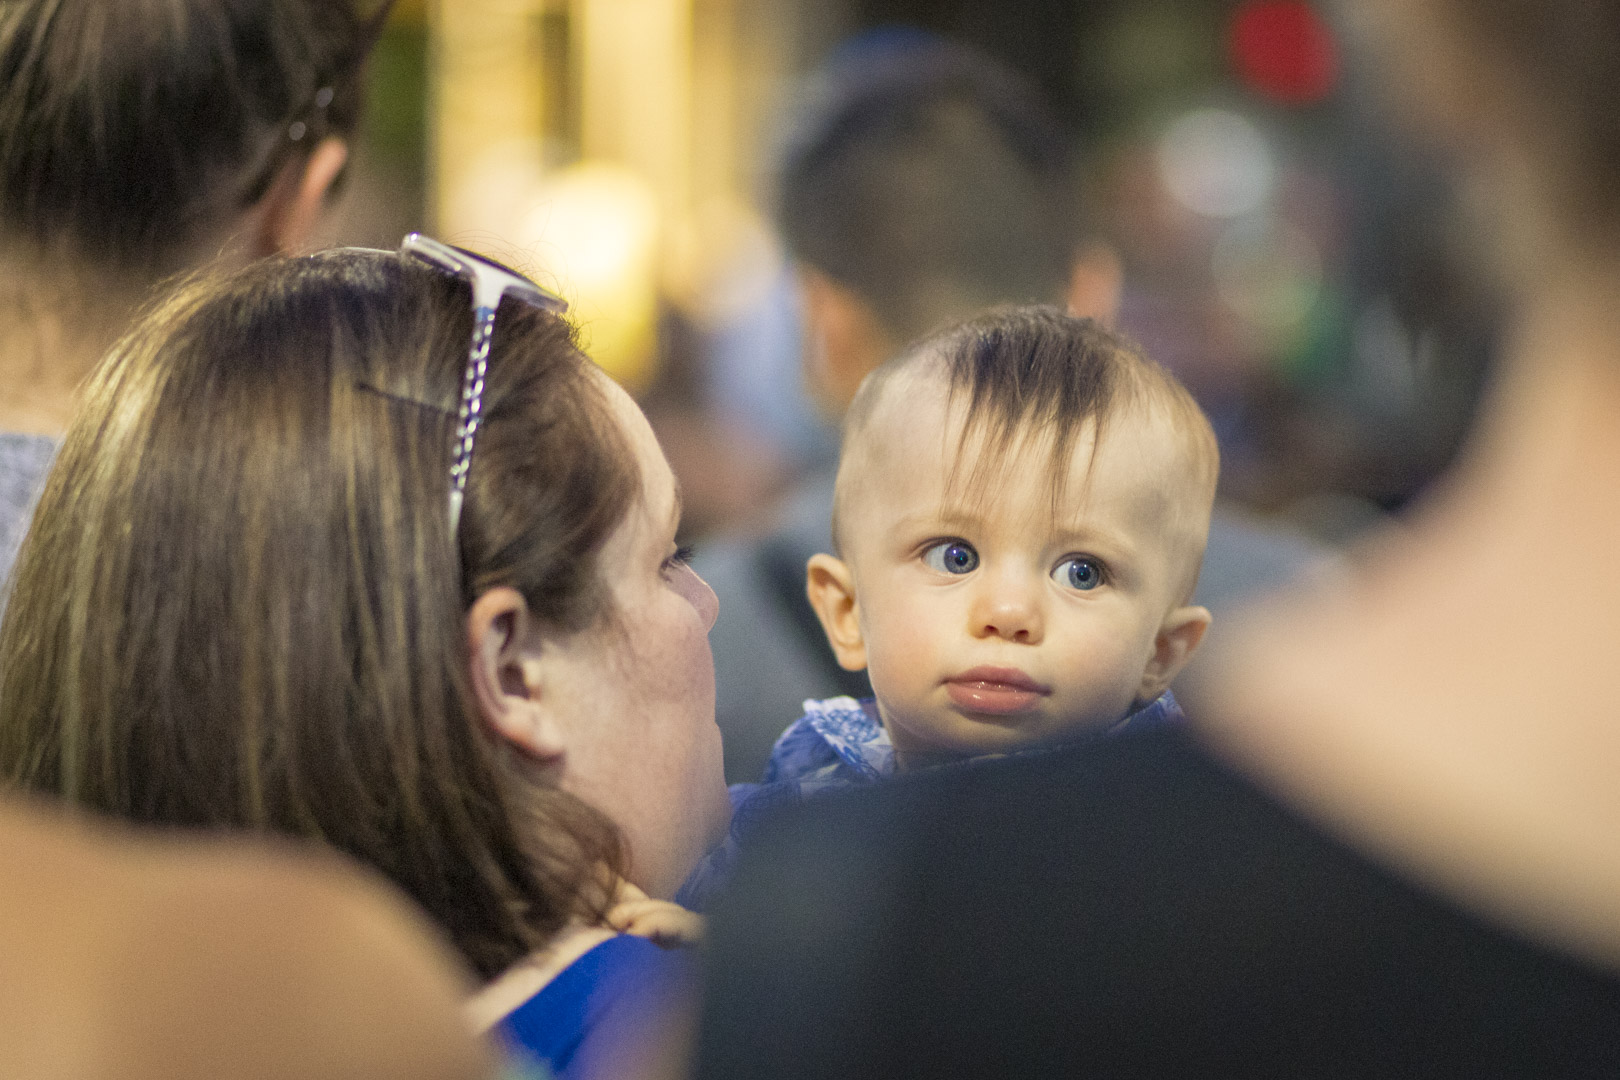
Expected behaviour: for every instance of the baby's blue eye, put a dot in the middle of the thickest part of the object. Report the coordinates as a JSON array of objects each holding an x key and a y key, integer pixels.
[
  {"x": 1079, "y": 573},
  {"x": 952, "y": 557}
]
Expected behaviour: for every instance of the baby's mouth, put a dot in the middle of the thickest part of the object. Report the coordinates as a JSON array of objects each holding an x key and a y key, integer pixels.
[{"x": 995, "y": 690}]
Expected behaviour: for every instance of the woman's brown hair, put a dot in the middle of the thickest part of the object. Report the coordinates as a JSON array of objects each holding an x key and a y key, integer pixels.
[
  {"x": 131, "y": 128},
  {"x": 240, "y": 604}
]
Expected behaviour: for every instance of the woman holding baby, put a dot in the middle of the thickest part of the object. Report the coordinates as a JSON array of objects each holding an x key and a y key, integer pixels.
[
  {"x": 255, "y": 597},
  {"x": 262, "y": 592}
]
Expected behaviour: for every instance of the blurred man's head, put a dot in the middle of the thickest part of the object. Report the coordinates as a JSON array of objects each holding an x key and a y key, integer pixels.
[{"x": 921, "y": 183}]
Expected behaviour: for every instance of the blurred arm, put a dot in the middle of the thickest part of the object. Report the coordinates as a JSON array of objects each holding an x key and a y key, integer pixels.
[{"x": 140, "y": 958}]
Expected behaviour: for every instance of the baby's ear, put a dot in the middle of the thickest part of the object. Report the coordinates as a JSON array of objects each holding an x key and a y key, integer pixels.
[
  {"x": 1178, "y": 638},
  {"x": 831, "y": 588}
]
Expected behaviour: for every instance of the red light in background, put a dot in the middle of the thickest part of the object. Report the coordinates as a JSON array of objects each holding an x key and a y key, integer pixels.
[{"x": 1283, "y": 50}]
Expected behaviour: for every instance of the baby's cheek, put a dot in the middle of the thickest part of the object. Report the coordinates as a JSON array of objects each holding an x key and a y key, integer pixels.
[
  {"x": 1112, "y": 670},
  {"x": 901, "y": 655}
]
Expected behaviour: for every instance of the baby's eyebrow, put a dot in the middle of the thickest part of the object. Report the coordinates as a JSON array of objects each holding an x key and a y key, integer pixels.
[
  {"x": 947, "y": 519},
  {"x": 1083, "y": 535},
  {"x": 959, "y": 518}
]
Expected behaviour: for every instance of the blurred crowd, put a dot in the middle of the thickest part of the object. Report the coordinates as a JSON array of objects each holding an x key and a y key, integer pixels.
[{"x": 1286, "y": 252}]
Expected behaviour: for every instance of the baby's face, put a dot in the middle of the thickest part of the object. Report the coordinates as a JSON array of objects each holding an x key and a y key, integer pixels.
[{"x": 991, "y": 624}]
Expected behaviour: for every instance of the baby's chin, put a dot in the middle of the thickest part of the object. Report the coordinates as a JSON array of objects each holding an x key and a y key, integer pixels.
[{"x": 935, "y": 735}]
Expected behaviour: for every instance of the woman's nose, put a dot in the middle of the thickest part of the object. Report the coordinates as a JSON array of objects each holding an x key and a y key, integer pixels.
[
  {"x": 1008, "y": 607},
  {"x": 704, "y": 599}
]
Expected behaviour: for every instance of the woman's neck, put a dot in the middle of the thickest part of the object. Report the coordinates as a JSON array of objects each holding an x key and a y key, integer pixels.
[
  {"x": 54, "y": 327},
  {"x": 1449, "y": 707}
]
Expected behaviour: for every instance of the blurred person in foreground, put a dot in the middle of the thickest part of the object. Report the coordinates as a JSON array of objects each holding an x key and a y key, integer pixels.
[
  {"x": 921, "y": 183},
  {"x": 1390, "y": 850},
  {"x": 127, "y": 957},
  {"x": 360, "y": 548},
  {"x": 138, "y": 139}
]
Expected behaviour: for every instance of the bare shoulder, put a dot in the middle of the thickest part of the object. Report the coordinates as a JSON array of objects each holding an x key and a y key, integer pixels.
[{"x": 130, "y": 956}]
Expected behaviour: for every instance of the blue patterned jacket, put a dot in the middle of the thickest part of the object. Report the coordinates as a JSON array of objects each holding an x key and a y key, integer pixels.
[{"x": 838, "y": 742}]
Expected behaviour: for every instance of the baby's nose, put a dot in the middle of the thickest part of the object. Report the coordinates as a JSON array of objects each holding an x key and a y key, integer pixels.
[{"x": 1009, "y": 611}]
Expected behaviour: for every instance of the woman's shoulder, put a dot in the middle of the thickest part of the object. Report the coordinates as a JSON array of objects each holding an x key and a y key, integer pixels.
[
  {"x": 622, "y": 963},
  {"x": 620, "y": 991}
]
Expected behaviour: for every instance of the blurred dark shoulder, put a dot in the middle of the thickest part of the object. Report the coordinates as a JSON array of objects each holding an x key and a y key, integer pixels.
[{"x": 1133, "y": 908}]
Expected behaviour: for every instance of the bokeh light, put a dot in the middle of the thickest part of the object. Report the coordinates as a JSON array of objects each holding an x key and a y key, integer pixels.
[
  {"x": 1270, "y": 275},
  {"x": 1284, "y": 51},
  {"x": 595, "y": 228},
  {"x": 1217, "y": 163}
]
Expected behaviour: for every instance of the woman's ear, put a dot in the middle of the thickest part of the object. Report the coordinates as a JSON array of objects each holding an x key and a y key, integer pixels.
[
  {"x": 831, "y": 588},
  {"x": 1177, "y": 640},
  {"x": 290, "y": 210},
  {"x": 508, "y": 674}
]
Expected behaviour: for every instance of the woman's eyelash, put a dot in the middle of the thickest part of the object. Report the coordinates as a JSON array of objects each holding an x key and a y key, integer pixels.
[{"x": 682, "y": 556}]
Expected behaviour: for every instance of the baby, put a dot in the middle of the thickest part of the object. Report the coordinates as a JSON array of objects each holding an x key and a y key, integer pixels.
[{"x": 1020, "y": 515}]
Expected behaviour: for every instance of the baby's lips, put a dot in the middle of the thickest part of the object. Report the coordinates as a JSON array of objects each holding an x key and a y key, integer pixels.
[
  {"x": 1009, "y": 677},
  {"x": 995, "y": 691}
]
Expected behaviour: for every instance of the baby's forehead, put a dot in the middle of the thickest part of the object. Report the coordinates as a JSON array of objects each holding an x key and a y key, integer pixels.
[
  {"x": 917, "y": 416},
  {"x": 1039, "y": 419},
  {"x": 920, "y": 469}
]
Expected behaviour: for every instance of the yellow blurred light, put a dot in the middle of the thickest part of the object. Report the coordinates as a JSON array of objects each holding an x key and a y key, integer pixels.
[
  {"x": 721, "y": 259},
  {"x": 594, "y": 231}
]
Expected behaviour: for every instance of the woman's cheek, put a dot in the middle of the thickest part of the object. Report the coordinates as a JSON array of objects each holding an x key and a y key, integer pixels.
[
  {"x": 675, "y": 656},
  {"x": 696, "y": 679}
]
